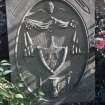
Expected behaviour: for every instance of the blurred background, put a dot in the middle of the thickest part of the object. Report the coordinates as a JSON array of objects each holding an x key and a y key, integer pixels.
[
  {"x": 100, "y": 50},
  {"x": 3, "y": 32}
]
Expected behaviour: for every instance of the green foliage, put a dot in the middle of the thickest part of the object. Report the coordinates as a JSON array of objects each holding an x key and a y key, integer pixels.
[{"x": 14, "y": 92}]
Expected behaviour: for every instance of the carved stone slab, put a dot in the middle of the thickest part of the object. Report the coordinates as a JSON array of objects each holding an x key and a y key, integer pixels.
[{"x": 49, "y": 47}]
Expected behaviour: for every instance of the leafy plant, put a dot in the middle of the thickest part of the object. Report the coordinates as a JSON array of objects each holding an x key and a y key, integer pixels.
[{"x": 14, "y": 92}]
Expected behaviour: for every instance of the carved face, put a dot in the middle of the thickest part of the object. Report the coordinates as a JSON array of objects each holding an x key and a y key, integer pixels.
[{"x": 52, "y": 47}]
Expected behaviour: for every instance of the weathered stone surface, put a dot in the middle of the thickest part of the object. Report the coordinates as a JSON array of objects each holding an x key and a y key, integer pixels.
[{"x": 16, "y": 10}]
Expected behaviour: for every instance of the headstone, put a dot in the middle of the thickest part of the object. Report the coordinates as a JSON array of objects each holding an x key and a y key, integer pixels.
[{"x": 49, "y": 44}]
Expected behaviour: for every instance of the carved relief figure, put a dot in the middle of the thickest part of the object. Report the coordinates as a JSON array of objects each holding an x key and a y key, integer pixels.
[{"x": 40, "y": 35}]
